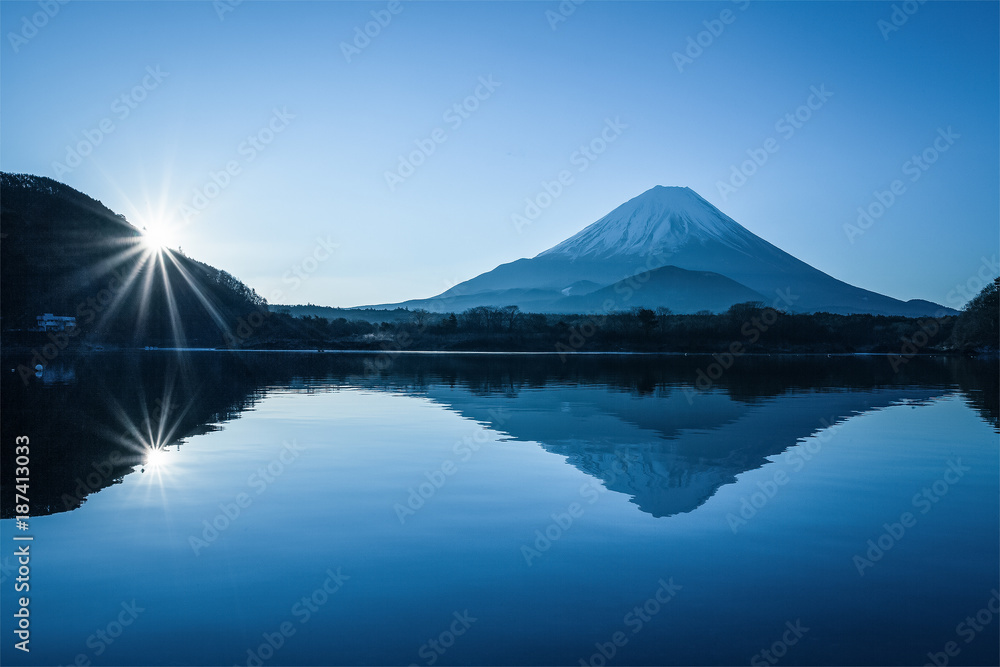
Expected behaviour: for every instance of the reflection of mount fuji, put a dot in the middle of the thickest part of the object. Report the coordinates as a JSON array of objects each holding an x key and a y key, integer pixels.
[
  {"x": 676, "y": 454},
  {"x": 95, "y": 413}
]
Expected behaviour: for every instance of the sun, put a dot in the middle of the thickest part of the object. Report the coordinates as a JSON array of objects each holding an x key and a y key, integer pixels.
[
  {"x": 156, "y": 236},
  {"x": 155, "y": 459}
]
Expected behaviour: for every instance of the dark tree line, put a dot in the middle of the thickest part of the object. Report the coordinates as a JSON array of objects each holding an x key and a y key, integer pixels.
[
  {"x": 746, "y": 327},
  {"x": 979, "y": 324}
]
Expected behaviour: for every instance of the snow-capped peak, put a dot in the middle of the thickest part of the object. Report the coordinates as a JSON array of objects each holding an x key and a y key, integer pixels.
[{"x": 662, "y": 219}]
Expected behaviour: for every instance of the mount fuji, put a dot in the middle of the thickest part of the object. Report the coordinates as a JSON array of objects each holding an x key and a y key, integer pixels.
[{"x": 667, "y": 247}]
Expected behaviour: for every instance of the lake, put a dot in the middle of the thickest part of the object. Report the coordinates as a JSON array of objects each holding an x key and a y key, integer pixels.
[{"x": 303, "y": 508}]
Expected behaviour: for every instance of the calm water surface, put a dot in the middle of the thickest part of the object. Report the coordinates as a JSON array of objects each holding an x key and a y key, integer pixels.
[{"x": 485, "y": 509}]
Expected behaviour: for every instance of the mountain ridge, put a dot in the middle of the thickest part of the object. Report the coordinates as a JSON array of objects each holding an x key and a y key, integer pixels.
[{"x": 66, "y": 253}]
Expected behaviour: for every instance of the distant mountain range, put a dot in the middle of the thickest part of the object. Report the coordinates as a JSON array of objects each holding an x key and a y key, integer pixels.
[{"x": 667, "y": 247}]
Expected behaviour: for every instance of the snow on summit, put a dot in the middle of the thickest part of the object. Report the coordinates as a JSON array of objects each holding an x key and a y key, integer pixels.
[{"x": 662, "y": 219}]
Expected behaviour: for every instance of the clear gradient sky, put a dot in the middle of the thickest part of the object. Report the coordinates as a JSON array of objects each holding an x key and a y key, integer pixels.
[{"x": 344, "y": 120}]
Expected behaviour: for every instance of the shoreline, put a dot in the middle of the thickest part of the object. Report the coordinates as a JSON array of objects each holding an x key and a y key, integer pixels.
[{"x": 9, "y": 351}]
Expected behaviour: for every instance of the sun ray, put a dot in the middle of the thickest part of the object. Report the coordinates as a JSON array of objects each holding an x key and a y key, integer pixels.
[
  {"x": 154, "y": 217},
  {"x": 146, "y": 254},
  {"x": 144, "y": 290},
  {"x": 128, "y": 251},
  {"x": 148, "y": 434},
  {"x": 176, "y": 326},
  {"x": 196, "y": 289},
  {"x": 124, "y": 290}
]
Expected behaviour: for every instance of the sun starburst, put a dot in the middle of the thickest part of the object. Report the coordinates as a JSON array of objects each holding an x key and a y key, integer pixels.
[{"x": 157, "y": 236}]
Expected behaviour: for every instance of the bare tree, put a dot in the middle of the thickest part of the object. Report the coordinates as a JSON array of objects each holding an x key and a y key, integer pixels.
[{"x": 510, "y": 315}]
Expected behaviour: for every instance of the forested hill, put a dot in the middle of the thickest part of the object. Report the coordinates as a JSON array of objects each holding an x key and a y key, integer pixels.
[{"x": 65, "y": 253}]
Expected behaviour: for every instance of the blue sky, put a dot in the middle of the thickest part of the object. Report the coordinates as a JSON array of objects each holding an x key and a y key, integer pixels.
[{"x": 199, "y": 82}]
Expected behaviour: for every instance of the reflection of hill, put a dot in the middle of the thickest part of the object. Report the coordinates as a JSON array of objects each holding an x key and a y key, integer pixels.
[
  {"x": 88, "y": 410},
  {"x": 90, "y": 418},
  {"x": 980, "y": 382}
]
